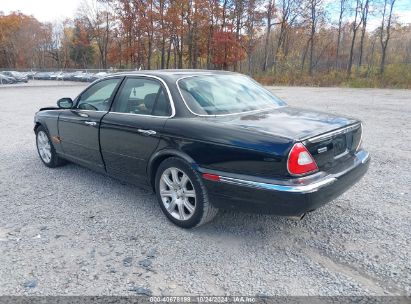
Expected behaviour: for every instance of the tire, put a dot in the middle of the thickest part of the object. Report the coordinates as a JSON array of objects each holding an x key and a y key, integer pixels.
[
  {"x": 46, "y": 150},
  {"x": 185, "y": 202}
]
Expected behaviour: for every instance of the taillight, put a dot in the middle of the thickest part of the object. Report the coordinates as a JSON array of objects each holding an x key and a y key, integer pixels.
[{"x": 300, "y": 161}]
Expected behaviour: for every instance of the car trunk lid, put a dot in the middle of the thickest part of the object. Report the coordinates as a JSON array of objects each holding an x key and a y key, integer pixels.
[
  {"x": 328, "y": 137},
  {"x": 330, "y": 148},
  {"x": 288, "y": 122}
]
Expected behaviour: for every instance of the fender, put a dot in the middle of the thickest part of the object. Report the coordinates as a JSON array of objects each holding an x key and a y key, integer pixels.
[
  {"x": 50, "y": 123},
  {"x": 39, "y": 121},
  {"x": 160, "y": 155}
]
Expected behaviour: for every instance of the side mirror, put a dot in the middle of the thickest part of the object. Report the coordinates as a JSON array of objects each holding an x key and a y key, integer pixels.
[{"x": 65, "y": 103}]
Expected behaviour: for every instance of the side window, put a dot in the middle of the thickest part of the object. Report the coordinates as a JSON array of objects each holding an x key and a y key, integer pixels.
[
  {"x": 142, "y": 96},
  {"x": 97, "y": 97}
]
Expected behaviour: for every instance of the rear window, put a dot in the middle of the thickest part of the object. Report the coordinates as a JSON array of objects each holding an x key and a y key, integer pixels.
[{"x": 225, "y": 94}]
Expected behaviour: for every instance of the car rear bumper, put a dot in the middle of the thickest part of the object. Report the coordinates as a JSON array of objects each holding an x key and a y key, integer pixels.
[{"x": 286, "y": 197}]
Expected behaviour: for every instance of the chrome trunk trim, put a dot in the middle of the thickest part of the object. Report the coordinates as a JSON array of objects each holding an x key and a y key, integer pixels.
[{"x": 321, "y": 137}]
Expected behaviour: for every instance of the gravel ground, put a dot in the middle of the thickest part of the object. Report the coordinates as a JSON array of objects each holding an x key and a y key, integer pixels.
[{"x": 69, "y": 231}]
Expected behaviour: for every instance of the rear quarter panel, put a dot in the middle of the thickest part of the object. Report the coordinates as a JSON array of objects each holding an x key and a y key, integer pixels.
[{"x": 227, "y": 149}]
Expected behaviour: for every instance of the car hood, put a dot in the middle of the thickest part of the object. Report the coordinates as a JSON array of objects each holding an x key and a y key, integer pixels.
[{"x": 286, "y": 122}]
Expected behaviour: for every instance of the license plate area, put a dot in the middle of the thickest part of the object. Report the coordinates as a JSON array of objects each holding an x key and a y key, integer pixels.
[{"x": 340, "y": 145}]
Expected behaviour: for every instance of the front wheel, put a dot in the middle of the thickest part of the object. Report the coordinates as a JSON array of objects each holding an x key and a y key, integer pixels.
[
  {"x": 182, "y": 195},
  {"x": 46, "y": 149}
]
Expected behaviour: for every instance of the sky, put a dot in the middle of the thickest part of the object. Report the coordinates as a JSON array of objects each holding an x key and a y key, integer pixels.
[
  {"x": 58, "y": 10},
  {"x": 42, "y": 10},
  {"x": 402, "y": 11}
]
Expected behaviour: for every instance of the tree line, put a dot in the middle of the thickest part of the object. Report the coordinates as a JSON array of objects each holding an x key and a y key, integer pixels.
[{"x": 276, "y": 41}]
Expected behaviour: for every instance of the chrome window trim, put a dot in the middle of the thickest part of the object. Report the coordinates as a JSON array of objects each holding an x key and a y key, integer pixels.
[
  {"x": 170, "y": 98},
  {"x": 78, "y": 110},
  {"x": 91, "y": 111},
  {"x": 77, "y": 99},
  {"x": 217, "y": 115},
  {"x": 108, "y": 112},
  {"x": 143, "y": 115}
]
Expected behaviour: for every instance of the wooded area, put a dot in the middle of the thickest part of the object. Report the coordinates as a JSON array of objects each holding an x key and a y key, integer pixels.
[{"x": 313, "y": 42}]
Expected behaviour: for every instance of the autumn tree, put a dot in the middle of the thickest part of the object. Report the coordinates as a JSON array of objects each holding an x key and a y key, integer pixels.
[
  {"x": 226, "y": 49},
  {"x": 315, "y": 13},
  {"x": 252, "y": 27},
  {"x": 23, "y": 41},
  {"x": 162, "y": 7},
  {"x": 286, "y": 41},
  {"x": 342, "y": 9},
  {"x": 269, "y": 16},
  {"x": 355, "y": 26},
  {"x": 81, "y": 50},
  {"x": 385, "y": 31},
  {"x": 98, "y": 15},
  {"x": 288, "y": 12},
  {"x": 364, "y": 20}
]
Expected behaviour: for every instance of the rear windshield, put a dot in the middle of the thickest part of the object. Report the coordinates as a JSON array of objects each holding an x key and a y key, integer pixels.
[{"x": 225, "y": 94}]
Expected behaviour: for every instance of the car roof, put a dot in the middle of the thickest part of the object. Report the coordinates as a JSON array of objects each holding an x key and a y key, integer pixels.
[{"x": 175, "y": 73}]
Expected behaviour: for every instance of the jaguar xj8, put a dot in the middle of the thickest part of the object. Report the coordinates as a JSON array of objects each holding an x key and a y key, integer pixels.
[{"x": 204, "y": 141}]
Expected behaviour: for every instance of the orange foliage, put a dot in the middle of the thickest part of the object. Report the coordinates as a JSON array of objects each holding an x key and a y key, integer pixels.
[
  {"x": 19, "y": 35},
  {"x": 226, "y": 49}
]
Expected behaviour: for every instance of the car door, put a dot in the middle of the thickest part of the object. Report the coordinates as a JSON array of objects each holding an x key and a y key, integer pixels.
[
  {"x": 79, "y": 127},
  {"x": 131, "y": 131}
]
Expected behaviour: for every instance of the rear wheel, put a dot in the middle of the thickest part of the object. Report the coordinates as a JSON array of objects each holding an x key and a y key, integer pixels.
[
  {"x": 46, "y": 149},
  {"x": 182, "y": 195}
]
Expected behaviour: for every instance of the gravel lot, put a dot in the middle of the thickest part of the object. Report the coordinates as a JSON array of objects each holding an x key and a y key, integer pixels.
[{"x": 71, "y": 231}]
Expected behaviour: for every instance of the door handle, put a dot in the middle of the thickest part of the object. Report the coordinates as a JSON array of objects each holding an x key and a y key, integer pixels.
[
  {"x": 91, "y": 123},
  {"x": 147, "y": 132}
]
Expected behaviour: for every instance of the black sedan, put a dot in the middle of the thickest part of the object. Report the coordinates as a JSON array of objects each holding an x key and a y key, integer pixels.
[{"x": 205, "y": 140}]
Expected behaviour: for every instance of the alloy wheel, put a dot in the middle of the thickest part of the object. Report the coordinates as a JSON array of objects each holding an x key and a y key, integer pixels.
[
  {"x": 43, "y": 146},
  {"x": 177, "y": 193}
]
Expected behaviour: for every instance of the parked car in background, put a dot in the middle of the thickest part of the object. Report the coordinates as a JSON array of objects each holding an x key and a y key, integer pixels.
[
  {"x": 16, "y": 75},
  {"x": 84, "y": 77},
  {"x": 66, "y": 76},
  {"x": 205, "y": 140},
  {"x": 30, "y": 74},
  {"x": 99, "y": 75},
  {"x": 78, "y": 76},
  {"x": 42, "y": 76},
  {"x": 70, "y": 76},
  {"x": 56, "y": 75},
  {"x": 6, "y": 79},
  {"x": 60, "y": 76},
  {"x": 89, "y": 77}
]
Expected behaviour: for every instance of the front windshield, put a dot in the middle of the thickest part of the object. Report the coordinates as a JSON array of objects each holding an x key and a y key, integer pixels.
[{"x": 225, "y": 94}]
